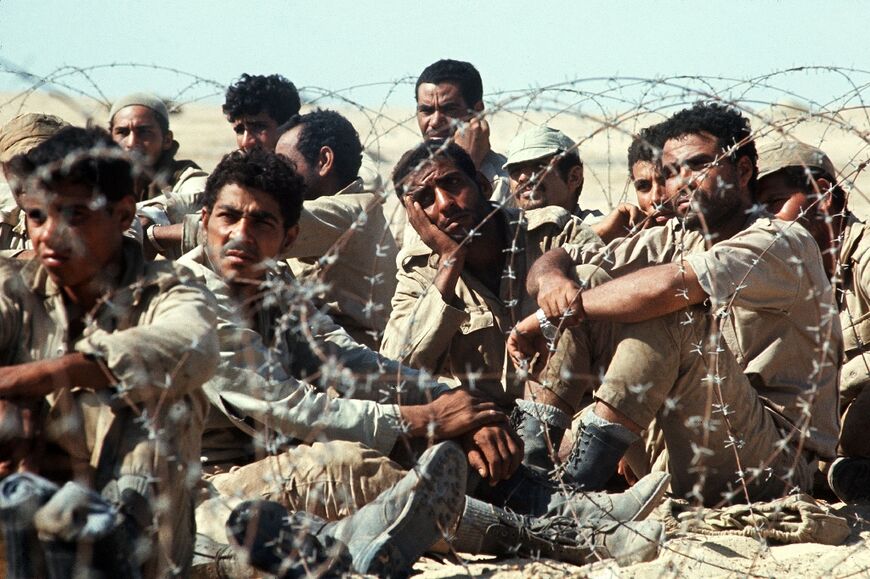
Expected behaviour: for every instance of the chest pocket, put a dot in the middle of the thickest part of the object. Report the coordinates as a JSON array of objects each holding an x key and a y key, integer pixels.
[{"x": 478, "y": 319}]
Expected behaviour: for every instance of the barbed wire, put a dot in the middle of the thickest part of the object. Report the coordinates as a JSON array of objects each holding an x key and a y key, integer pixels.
[{"x": 601, "y": 115}]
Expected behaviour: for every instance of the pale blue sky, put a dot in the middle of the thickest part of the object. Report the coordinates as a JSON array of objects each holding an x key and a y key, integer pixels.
[{"x": 514, "y": 44}]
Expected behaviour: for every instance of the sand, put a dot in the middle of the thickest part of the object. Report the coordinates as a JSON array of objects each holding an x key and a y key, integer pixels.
[{"x": 692, "y": 556}]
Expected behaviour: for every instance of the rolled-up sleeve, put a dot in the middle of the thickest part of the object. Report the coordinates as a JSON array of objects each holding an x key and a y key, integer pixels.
[
  {"x": 755, "y": 269},
  {"x": 309, "y": 415}
]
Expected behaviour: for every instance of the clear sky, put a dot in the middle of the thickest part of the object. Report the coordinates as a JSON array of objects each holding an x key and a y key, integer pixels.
[{"x": 515, "y": 44}]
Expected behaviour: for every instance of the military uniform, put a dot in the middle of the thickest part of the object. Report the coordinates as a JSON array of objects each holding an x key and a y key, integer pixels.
[
  {"x": 155, "y": 337},
  {"x": 770, "y": 366},
  {"x": 350, "y": 241},
  {"x": 262, "y": 405},
  {"x": 175, "y": 192},
  {"x": 17, "y": 137},
  {"x": 464, "y": 337},
  {"x": 853, "y": 297}
]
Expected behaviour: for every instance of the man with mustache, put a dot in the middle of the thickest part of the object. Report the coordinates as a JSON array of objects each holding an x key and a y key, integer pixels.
[
  {"x": 727, "y": 335},
  {"x": 349, "y": 234},
  {"x": 544, "y": 168},
  {"x": 461, "y": 283},
  {"x": 327, "y": 455},
  {"x": 449, "y": 96}
]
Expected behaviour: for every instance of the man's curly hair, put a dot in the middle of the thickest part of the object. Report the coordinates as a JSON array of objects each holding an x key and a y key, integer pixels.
[
  {"x": 253, "y": 94},
  {"x": 261, "y": 170},
  {"x": 325, "y": 128},
  {"x": 727, "y": 124}
]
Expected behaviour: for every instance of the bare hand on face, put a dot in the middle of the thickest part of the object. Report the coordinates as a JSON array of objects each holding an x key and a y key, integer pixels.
[
  {"x": 439, "y": 242},
  {"x": 494, "y": 451},
  {"x": 527, "y": 346},
  {"x": 473, "y": 136},
  {"x": 451, "y": 415}
]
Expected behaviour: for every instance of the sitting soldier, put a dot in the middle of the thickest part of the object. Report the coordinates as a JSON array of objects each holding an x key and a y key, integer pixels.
[
  {"x": 756, "y": 410},
  {"x": 798, "y": 182},
  {"x": 103, "y": 357},
  {"x": 18, "y": 136}
]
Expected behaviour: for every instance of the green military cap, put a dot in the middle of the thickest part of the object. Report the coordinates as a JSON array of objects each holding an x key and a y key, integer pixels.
[
  {"x": 537, "y": 143},
  {"x": 24, "y": 132},
  {"x": 772, "y": 158},
  {"x": 143, "y": 99}
]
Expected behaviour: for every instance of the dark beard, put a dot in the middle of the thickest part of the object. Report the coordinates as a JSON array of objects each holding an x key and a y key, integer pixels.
[{"x": 716, "y": 211}]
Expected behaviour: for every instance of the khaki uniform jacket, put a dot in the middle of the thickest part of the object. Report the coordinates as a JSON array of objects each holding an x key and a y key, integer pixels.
[
  {"x": 768, "y": 286},
  {"x": 464, "y": 337},
  {"x": 270, "y": 387},
  {"x": 155, "y": 336},
  {"x": 853, "y": 297},
  {"x": 173, "y": 175},
  {"x": 350, "y": 241}
]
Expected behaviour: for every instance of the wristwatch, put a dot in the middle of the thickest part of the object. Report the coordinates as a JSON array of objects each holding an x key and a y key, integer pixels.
[{"x": 548, "y": 328}]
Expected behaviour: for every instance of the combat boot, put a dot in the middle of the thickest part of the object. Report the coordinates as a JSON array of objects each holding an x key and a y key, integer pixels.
[
  {"x": 596, "y": 453},
  {"x": 21, "y": 496},
  {"x": 384, "y": 538},
  {"x": 541, "y": 427},
  {"x": 529, "y": 492},
  {"x": 849, "y": 478},
  {"x": 268, "y": 538},
  {"x": 77, "y": 520},
  {"x": 485, "y": 529},
  {"x": 387, "y": 536}
]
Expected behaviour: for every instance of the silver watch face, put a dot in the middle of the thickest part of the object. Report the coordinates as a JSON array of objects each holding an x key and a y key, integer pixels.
[{"x": 550, "y": 331}]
